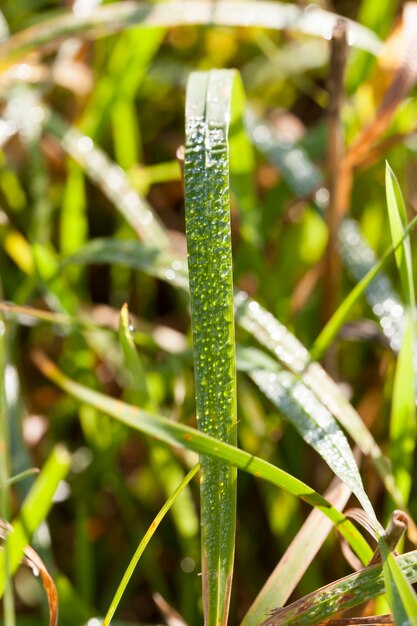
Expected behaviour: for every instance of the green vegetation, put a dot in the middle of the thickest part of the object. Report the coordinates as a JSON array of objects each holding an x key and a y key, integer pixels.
[{"x": 208, "y": 313}]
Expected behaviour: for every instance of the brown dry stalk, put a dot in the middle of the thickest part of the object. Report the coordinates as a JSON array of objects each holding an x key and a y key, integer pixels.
[
  {"x": 404, "y": 79},
  {"x": 38, "y": 567},
  {"x": 335, "y": 155}
]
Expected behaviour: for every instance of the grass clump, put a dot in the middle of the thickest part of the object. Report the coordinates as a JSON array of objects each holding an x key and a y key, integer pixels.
[{"x": 232, "y": 297}]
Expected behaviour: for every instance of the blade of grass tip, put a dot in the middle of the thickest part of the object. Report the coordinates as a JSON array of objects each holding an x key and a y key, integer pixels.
[
  {"x": 176, "y": 434},
  {"x": 296, "y": 559},
  {"x": 142, "y": 545},
  {"x": 207, "y": 216},
  {"x": 342, "y": 594},
  {"x": 6, "y": 571},
  {"x": 106, "y": 20},
  {"x": 134, "y": 364},
  {"x": 403, "y": 410},
  {"x": 340, "y": 316},
  {"x": 34, "y": 509}
]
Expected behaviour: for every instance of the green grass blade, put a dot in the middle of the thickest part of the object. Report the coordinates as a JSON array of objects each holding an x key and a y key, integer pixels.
[
  {"x": 359, "y": 258},
  {"x": 118, "y": 16},
  {"x": 291, "y": 353},
  {"x": 398, "y": 223},
  {"x": 401, "y": 596},
  {"x": 342, "y": 594},
  {"x": 8, "y": 602},
  {"x": 128, "y": 65},
  {"x": 207, "y": 215},
  {"x": 133, "y": 362},
  {"x": 316, "y": 425},
  {"x": 74, "y": 222},
  {"x": 34, "y": 509},
  {"x": 174, "y": 433},
  {"x": 304, "y": 178},
  {"x": 133, "y": 254},
  {"x": 110, "y": 178},
  {"x": 142, "y": 545},
  {"x": 403, "y": 410},
  {"x": 21, "y": 476},
  {"x": 403, "y": 416},
  {"x": 341, "y": 315},
  {"x": 242, "y": 168},
  {"x": 264, "y": 327}
]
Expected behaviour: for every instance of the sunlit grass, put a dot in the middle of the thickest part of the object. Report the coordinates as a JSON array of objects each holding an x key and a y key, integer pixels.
[{"x": 100, "y": 205}]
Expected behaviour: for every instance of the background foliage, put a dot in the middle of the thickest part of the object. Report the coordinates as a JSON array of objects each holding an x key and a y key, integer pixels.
[{"x": 90, "y": 129}]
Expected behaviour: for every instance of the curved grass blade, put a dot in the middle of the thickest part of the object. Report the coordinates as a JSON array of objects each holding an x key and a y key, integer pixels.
[
  {"x": 305, "y": 179},
  {"x": 316, "y": 425},
  {"x": 110, "y": 178},
  {"x": 267, "y": 330},
  {"x": 270, "y": 333},
  {"x": 359, "y": 259},
  {"x": 34, "y": 509},
  {"x": 142, "y": 545},
  {"x": 177, "y": 434},
  {"x": 333, "y": 326},
  {"x": 157, "y": 262},
  {"x": 329, "y": 393},
  {"x": 107, "y": 20},
  {"x": 21, "y": 476},
  {"x": 342, "y": 594},
  {"x": 207, "y": 217},
  {"x": 273, "y": 335}
]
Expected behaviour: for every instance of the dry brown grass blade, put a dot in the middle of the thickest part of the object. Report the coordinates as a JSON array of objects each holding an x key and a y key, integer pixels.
[
  {"x": 171, "y": 616},
  {"x": 34, "y": 562},
  {"x": 298, "y": 556},
  {"x": 397, "y": 526},
  {"x": 335, "y": 154},
  {"x": 404, "y": 79}
]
